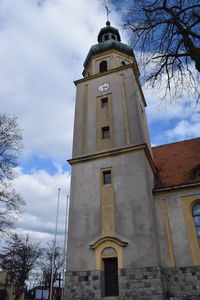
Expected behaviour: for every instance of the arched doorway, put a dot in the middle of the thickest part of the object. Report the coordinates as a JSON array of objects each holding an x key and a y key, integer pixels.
[
  {"x": 108, "y": 252},
  {"x": 110, "y": 266}
]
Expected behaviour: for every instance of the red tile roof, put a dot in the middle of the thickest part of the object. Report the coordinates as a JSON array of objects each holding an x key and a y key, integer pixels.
[{"x": 177, "y": 163}]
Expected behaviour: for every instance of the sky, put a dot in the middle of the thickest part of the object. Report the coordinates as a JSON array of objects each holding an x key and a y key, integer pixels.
[{"x": 43, "y": 44}]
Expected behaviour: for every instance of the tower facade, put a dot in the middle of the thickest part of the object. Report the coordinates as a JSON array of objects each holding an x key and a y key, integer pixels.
[{"x": 112, "y": 239}]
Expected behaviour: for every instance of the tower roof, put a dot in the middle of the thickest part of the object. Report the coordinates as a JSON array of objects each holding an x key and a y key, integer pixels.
[{"x": 108, "y": 39}]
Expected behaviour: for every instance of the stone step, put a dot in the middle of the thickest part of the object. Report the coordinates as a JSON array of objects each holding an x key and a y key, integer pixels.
[{"x": 110, "y": 298}]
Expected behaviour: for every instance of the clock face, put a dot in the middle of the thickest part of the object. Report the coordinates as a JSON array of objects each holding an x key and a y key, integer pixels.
[{"x": 103, "y": 87}]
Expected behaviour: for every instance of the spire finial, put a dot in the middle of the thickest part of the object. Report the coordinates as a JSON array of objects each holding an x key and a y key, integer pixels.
[{"x": 108, "y": 11}]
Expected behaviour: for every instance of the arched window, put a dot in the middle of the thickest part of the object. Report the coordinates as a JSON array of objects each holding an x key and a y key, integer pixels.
[
  {"x": 109, "y": 251},
  {"x": 196, "y": 216},
  {"x": 106, "y": 37},
  {"x": 103, "y": 66},
  {"x": 113, "y": 37}
]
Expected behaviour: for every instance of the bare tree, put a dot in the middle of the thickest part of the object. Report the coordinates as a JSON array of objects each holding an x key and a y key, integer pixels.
[
  {"x": 46, "y": 264},
  {"x": 167, "y": 32},
  {"x": 10, "y": 148},
  {"x": 19, "y": 256}
]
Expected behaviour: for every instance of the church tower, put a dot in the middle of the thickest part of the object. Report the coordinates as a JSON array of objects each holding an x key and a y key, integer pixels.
[{"x": 112, "y": 245}]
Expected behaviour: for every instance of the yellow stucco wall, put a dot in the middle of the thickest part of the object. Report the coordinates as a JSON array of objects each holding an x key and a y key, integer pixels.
[{"x": 8, "y": 286}]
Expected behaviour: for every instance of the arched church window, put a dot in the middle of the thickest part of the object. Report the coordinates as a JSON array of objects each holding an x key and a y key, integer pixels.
[
  {"x": 106, "y": 37},
  {"x": 196, "y": 216},
  {"x": 113, "y": 37},
  {"x": 103, "y": 66}
]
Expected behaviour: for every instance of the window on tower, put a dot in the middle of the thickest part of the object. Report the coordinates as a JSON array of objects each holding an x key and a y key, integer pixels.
[
  {"x": 103, "y": 66},
  {"x": 104, "y": 102},
  {"x": 107, "y": 177},
  {"x": 105, "y": 132}
]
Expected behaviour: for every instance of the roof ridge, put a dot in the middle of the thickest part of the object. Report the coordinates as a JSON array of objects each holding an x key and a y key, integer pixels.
[{"x": 176, "y": 142}]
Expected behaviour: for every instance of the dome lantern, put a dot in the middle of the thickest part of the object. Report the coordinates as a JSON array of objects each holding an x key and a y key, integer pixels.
[{"x": 108, "y": 33}]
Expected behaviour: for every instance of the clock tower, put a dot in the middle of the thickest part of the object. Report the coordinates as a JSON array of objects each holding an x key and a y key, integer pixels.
[{"x": 112, "y": 244}]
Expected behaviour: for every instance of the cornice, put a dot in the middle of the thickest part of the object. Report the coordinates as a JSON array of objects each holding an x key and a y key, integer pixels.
[
  {"x": 176, "y": 188},
  {"x": 89, "y": 78},
  {"x": 99, "y": 155}
]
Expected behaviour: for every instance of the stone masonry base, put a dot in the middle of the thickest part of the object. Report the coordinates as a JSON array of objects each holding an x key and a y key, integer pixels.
[
  {"x": 83, "y": 285},
  {"x": 150, "y": 283},
  {"x": 182, "y": 282},
  {"x": 140, "y": 283}
]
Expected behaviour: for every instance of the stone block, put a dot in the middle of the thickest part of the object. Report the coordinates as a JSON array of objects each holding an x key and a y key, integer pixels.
[
  {"x": 147, "y": 284},
  {"x": 127, "y": 285},
  {"x": 123, "y": 286},
  {"x": 69, "y": 273},
  {"x": 67, "y": 278},
  {"x": 95, "y": 272},
  {"x": 123, "y": 272},
  {"x": 149, "y": 269},
  {"x": 74, "y": 273},
  {"x": 131, "y": 298},
  {"x": 131, "y": 271},
  {"x": 157, "y": 297},
  {"x": 122, "y": 280}
]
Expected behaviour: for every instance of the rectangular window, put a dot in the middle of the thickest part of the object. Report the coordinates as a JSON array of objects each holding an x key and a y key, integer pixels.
[
  {"x": 107, "y": 177},
  {"x": 104, "y": 102},
  {"x": 105, "y": 132}
]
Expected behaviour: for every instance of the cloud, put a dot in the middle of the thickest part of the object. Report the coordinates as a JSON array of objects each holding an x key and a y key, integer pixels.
[
  {"x": 40, "y": 191},
  {"x": 186, "y": 129},
  {"x": 43, "y": 47},
  {"x": 170, "y": 120},
  {"x": 171, "y": 123}
]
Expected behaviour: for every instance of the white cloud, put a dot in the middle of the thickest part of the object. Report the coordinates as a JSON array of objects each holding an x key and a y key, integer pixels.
[
  {"x": 171, "y": 120},
  {"x": 174, "y": 122},
  {"x": 162, "y": 110},
  {"x": 186, "y": 128},
  {"x": 40, "y": 191},
  {"x": 42, "y": 52},
  {"x": 179, "y": 102}
]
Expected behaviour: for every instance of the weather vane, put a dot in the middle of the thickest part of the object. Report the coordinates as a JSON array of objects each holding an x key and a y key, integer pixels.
[{"x": 108, "y": 11}]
